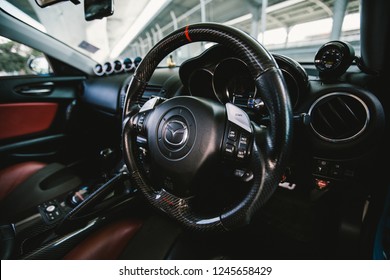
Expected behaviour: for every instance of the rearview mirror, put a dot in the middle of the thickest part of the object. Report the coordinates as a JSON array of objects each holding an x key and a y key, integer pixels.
[
  {"x": 93, "y": 9},
  {"x": 45, "y": 3},
  {"x": 98, "y": 9}
]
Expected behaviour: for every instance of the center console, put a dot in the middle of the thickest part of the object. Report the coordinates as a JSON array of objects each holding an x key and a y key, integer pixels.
[{"x": 55, "y": 209}]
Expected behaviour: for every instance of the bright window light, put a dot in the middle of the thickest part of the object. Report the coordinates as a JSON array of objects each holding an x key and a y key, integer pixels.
[
  {"x": 153, "y": 7},
  {"x": 351, "y": 22},
  {"x": 305, "y": 31},
  {"x": 273, "y": 37}
]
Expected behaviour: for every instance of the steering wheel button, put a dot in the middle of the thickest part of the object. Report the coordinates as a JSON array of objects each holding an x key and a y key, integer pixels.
[
  {"x": 248, "y": 176},
  {"x": 232, "y": 134},
  {"x": 140, "y": 122},
  {"x": 322, "y": 163},
  {"x": 141, "y": 140},
  {"x": 239, "y": 173},
  {"x": 241, "y": 153},
  {"x": 335, "y": 173},
  {"x": 50, "y": 208},
  {"x": 243, "y": 140},
  {"x": 229, "y": 149},
  {"x": 322, "y": 170}
]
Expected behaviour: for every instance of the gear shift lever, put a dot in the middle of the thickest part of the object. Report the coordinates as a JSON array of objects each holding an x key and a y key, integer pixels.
[{"x": 106, "y": 157}]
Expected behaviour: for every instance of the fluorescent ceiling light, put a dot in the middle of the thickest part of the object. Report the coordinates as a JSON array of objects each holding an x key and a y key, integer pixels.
[
  {"x": 282, "y": 5},
  {"x": 238, "y": 19},
  {"x": 269, "y": 9},
  {"x": 151, "y": 9}
]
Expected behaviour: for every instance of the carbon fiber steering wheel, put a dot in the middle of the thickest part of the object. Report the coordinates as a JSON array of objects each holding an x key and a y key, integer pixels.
[{"x": 170, "y": 146}]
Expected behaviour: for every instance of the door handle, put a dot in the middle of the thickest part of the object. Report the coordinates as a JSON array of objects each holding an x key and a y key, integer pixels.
[{"x": 42, "y": 89}]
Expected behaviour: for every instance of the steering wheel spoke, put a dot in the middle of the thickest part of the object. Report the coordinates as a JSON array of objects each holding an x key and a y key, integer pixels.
[
  {"x": 238, "y": 142},
  {"x": 168, "y": 202},
  {"x": 238, "y": 136},
  {"x": 139, "y": 120}
]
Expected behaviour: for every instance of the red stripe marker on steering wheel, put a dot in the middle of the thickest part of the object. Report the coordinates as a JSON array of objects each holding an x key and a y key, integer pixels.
[{"x": 187, "y": 34}]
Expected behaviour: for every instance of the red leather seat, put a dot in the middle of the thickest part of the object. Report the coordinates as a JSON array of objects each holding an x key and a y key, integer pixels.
[
  {"x": 14, "y": 175},
  {"x": 106, "y": 243}
]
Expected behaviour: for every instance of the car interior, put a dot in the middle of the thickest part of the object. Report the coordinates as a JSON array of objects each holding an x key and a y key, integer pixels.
[{"x": 236, "y": 151}]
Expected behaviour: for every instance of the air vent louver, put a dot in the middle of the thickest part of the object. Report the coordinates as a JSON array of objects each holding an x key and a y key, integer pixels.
[
  {"x": 339, "y": 117},
  {"x": 150, "y": 92}
]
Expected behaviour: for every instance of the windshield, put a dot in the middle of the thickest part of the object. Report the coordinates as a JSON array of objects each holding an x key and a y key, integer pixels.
[{"x": 293, "y": 27}]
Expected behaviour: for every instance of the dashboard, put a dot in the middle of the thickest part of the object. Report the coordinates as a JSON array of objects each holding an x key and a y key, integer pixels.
[
  {"x": 338, "y": 128},
  {"x": 338, "y": 121}
]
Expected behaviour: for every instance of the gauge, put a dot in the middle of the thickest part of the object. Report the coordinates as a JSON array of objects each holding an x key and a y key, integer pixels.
[
  {"x": 295, "y": 76},
  {"x": 233, "y": 83},
  {"x": 108, "y": 68},
  {"x": 334, "y": 58},
  {"x": 118, "y": 66},
  {"x": 200, "y": 83},
  {"x": 137, "y": 61},
  {"x": 330, "y": 59},
  {"x": 127, "y": 64},
  {"x": 98, "y": 70},
  {"x": 236, "y": 87}
]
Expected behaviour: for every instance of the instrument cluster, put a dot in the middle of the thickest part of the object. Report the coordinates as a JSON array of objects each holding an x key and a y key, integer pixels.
[{"x": 220, "y": 75}]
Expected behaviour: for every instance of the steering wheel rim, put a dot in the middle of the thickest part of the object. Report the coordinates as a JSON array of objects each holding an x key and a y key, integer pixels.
[{"x": 269, "y": 157}]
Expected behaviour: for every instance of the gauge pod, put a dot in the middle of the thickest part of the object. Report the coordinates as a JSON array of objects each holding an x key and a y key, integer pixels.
[
  {"x": 334, "y": 58},
  {"x": 108, "y": 68},
  {"x": 118, "y": 66},
  {"x": 98, "y": 70},
  {"x": 137, "y": 61},
  {"x": 127, "y": 64}
]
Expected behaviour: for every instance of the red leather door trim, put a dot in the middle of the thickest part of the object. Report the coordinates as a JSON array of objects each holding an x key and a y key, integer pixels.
[{"x": 17, "y": 119}]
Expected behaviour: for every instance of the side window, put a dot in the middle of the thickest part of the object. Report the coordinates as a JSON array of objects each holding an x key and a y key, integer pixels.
[{"x": 17, "y": 59}]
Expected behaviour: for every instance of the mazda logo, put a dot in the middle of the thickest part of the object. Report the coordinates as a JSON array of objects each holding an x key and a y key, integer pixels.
[{"x": 175, "y": 133}]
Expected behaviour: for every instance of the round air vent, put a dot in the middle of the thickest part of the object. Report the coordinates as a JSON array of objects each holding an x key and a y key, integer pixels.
[{"x": 339, "y": 117}]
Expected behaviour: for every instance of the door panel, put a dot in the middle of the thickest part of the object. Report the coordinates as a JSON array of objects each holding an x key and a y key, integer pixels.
[
  {"x": 34, "y": 117},
  {"x": 20, "y": 119}
]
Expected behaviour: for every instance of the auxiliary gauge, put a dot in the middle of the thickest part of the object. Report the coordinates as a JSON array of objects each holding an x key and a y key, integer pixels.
[{"x": 334, "y": 58}]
